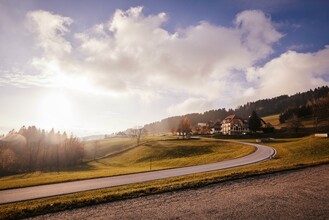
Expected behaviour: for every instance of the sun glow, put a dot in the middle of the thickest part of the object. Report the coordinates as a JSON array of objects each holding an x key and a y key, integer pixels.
[
  {"x": 55, "y": 111},
  {"x": 74, "y": 83}
]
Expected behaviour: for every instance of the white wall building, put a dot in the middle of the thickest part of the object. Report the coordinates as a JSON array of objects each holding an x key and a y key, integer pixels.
[{"x": 234, "y": 125}]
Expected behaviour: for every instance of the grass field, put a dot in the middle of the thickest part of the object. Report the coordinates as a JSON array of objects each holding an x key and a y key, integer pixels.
[
  {"x": 291, "y": 154},
  {"x": 163, "y": 155},
  {"x": 308, "y": 122},
  {"x": 104, "y": 147},
  {"x": 274, "y": 120}
]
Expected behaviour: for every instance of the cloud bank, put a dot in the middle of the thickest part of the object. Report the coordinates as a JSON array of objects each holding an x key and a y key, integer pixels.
[
  {"x": 201, "y": 65},
  {"x": 290, "y": 73}
]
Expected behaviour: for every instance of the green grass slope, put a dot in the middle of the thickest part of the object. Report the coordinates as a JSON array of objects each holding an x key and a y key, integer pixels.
[
  {"x": 175, "y": 153},
  {"x": 101, "y": 148},
  {"x": 273, "y": 119},
  {"x": 291, "y": 154},
  {"x": 307, "y": 122},
  {"x": 157, "y": 154}
]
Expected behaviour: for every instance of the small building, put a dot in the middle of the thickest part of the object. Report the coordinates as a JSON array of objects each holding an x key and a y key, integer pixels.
[
  {"x": 202, "y": 124},
  {"x": 208, "y": 128},
  {"x": 216, "y": 128},
  {"x": 202, "y": 128},
  {"x": 234, "y": 125}
]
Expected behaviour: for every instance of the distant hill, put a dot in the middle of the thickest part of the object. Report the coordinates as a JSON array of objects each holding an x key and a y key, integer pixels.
[
  {"x": 93, "y": 137},
  {"x": 264, "y": 107}
]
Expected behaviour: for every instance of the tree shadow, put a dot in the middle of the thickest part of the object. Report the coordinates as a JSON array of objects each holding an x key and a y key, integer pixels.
[{"x": 20, "y": 175}]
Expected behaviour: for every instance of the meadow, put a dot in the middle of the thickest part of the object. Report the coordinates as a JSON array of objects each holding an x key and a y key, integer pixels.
[
  {"x": 307, "y": 122},
  {"x": 292, "y": 153},
  {"x": 100, "y": 148},
  {"x": 155, "y": 153}
]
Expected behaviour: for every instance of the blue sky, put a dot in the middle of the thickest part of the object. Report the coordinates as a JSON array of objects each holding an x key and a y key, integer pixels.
[{"x": 102, "y": 66}]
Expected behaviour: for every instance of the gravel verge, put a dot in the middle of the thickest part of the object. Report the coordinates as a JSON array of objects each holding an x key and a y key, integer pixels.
[{"x": 298, "y": 194}]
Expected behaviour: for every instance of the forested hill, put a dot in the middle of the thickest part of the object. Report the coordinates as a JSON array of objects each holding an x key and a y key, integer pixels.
[{"x": 263, "y": 107}]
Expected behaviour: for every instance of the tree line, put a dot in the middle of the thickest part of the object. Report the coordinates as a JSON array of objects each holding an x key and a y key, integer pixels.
[
  {"x": 263, "y": 107},
  {"x": 32, "y": 149},
  {"x": 316, "y": 108}
]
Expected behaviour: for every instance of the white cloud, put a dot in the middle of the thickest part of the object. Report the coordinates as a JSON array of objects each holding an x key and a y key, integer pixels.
[
  {"x": 290, "y": 73},
  {"x": 50, "y": 30},
  {"x": 133, "y": 54},
  {"x": 297, "y": 47},
  {"x": 258, "y": 32},
  {"x": 191, "y": 105}
]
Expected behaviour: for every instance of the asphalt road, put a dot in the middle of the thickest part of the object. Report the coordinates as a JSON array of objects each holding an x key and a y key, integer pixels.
[
  {"x": 298, "y": 194},
  {"x": 35, "y": 192}
]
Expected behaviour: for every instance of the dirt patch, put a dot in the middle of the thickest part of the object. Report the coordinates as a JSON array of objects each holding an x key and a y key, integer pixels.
[{"x": 301, "y": 194}]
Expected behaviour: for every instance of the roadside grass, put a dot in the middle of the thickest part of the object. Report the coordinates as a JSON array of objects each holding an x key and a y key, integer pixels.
[
  {"x": 291, "y": 154},
  {"x": 162, "y": 154}
]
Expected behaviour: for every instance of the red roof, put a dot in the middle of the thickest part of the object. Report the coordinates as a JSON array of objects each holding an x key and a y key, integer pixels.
[{"x": 231, "y": 117}]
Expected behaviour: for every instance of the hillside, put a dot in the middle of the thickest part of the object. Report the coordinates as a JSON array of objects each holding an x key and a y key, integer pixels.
[
  {"x": 307, "y": 122},
  {"x": 159, "y": 154},
  {"x": 100, "y": 148},
  {"x": 264, "y": 107}
]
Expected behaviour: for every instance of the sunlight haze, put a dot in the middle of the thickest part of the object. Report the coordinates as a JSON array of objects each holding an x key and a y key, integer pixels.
[{"x": 105, "y": 66}]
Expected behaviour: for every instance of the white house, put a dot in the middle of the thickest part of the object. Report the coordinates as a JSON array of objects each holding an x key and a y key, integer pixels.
[{"x": 234, "y": 125}]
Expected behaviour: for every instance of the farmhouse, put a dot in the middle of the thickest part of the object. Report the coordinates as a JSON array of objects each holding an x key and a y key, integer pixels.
[
  {"x": 208, "y": 128},
  {"x": 203, "y": 128},
  {"x": 216, "y": 128},
  {"x": 233, "y": 124}
]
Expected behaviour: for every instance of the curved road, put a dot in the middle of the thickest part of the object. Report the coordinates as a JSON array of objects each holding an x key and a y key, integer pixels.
[{"x": 35, "y": 192}]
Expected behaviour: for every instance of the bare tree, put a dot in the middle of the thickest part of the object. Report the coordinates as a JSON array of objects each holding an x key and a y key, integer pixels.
[
  {"x": 184, "y": 127},
  {"x": 295, "y": 123},
  {"x": 137, "y": 133}
]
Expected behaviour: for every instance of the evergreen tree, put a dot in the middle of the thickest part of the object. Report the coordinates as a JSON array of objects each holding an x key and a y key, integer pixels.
[
  {"x": 254, "y": 122},
  {"x": 284, "y": 105}
]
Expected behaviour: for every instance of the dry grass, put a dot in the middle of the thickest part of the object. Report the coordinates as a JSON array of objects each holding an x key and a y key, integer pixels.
[
  {"x": 291, "y": 154},
  {"x": 164, "y": 154},
  {"x": 307, "y": 122},
  {"x": 274, "y": 120},
  {"x": 106, "y": 146}
]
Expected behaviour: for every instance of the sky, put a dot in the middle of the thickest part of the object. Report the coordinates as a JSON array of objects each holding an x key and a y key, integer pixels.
[{"x": 94, "y": 67}]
